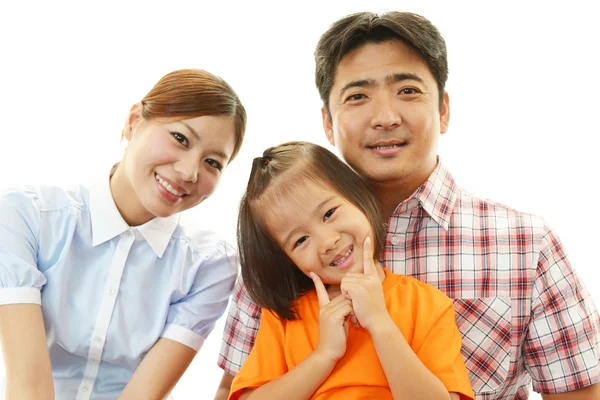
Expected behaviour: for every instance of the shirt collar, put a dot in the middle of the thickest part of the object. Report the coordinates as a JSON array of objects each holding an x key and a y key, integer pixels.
[
  {"x": 437, "y": 196},
  {"x": 107, "y": 222}
]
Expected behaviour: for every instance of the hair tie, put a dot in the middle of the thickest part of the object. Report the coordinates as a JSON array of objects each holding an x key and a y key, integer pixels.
[{"x": 266, "y": 160}]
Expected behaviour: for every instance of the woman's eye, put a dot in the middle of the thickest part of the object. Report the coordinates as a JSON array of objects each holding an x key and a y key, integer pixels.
[
  {"x": 300, "y": 241},
  {"x": 328, "y": 214},
  {"x": 180, "y": 138},
  {"x": 214, "y": 163}
]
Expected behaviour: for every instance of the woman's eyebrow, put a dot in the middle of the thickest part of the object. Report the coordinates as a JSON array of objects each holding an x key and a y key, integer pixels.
[{"x": 217, "y": 152}]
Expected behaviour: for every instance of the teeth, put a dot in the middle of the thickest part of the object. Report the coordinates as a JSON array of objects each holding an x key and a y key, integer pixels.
[
  {"x": 338, "y": 262},
  {"x": 168, "y": 186},
  {"x": 388, "y": 147}
]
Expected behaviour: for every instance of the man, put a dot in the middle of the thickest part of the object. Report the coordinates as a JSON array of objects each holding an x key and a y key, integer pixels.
[{"x": 523, "y": 313}]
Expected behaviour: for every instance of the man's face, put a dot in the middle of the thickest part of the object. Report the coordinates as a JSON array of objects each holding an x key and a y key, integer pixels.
[{"x": 385, "y": 114}]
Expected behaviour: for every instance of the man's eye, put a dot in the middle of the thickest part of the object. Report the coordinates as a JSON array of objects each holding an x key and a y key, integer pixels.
[
  {"x": 300, "y": 241},
  {"x": 356, "y": 97},
  {"x": 180, "y": 138},
  {"x": 328, "y": 214},
  {"x": 409, "y": 91},
  {"x": 214, "y": 163}
]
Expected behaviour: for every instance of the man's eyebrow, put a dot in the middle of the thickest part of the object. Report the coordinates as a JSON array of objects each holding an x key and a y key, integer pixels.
[
  {"x": 358, "y": 83},
  {"x": 217, "y": 152},
  {"x": 404, "y": 76},
  {"x": 391, "y": 78}
]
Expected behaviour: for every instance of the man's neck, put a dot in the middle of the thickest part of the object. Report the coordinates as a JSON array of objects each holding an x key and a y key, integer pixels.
[{"x": 390, "y": 194}]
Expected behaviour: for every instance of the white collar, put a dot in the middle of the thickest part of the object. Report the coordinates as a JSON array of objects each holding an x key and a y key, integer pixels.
[{"x": 108, "y": 223}]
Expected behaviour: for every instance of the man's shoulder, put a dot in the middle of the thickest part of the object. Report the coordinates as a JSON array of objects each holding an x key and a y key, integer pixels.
[{"x": 471, "y": 206}]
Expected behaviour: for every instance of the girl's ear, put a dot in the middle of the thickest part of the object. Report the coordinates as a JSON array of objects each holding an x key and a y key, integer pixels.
[{"x": 133, "y": 119}]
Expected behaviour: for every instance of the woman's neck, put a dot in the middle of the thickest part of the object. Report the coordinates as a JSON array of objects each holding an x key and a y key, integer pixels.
[{"x": 126, "y": 199}]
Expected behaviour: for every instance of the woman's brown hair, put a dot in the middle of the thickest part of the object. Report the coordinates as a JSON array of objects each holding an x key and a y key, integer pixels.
[
  {"x": 191, "y": 93},
  {"x": 271, "y": 278}
]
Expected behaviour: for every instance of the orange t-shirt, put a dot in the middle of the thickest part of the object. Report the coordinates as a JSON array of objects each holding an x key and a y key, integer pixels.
[{"x": 424, "y": 315}]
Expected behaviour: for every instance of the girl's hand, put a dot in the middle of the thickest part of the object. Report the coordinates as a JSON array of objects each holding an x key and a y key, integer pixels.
[
  {"x": 366, "y": 292},
  {"x": 333, "y": 327}
]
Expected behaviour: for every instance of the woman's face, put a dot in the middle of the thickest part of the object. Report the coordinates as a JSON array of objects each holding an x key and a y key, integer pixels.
[{"x": 170, "y": 166}]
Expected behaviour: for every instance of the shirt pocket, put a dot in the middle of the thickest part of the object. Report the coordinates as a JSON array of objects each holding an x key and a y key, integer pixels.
[{"x": 485, "y": 325}]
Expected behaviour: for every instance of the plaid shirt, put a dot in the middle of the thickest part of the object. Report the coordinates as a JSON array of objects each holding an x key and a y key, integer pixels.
[{"x": 522, "y": 311}]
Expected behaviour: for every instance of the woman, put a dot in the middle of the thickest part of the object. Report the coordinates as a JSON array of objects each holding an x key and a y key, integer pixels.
[{"x": 102, "y": 293}]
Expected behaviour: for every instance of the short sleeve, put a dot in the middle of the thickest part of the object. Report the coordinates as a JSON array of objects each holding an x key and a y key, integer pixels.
[
  {"x": 240, "y": 330},
  {"x": 440, "y": 352},
  {"x": 191, "y": 319},
  {"x": 266, "y": 361},
  {"x": 561, "y": 347},
  {"x": 20, "y": 279}
]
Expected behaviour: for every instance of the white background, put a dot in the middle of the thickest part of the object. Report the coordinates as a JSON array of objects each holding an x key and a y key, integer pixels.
[{"x": 523, "y": 85}]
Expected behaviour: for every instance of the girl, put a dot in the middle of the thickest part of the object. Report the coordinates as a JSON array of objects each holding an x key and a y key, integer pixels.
[
  {"x": 305, "y": 222},
  {"x": 102, "y": 293}
]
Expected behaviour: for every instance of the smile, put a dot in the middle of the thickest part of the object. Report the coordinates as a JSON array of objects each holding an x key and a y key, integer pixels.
[
  {"x": 391, "y": 146},
  {"x": 387, "y": 149},
  {"x": 168, "y": 186},
  {"x": 340, "y": 259}
]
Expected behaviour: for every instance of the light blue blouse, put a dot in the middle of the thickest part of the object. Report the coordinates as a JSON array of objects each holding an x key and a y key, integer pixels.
[{"x": 108, "y": 291}]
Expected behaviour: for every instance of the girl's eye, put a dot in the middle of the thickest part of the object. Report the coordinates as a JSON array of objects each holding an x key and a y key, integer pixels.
[
  {"x": 328, "y": 214},
  {"x": 180, "y": 138},
  {"x": 300, "y": 241},
  {"x": 215, "y": 164}
]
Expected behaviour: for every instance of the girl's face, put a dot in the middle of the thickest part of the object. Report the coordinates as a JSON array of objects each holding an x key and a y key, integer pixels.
[
  {"x": 170, "y": 166},
  {"x": 319, "y": 230}
]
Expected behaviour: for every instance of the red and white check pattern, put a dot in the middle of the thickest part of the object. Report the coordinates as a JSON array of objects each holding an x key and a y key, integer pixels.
[{"x": 523, "y": 313}]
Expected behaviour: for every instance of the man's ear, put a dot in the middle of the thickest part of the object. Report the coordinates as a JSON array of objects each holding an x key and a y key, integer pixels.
[
  {"x": 133, "y": 119},
  {"x": 327, "y": 126},
  {"x": 445, "y": 114}
]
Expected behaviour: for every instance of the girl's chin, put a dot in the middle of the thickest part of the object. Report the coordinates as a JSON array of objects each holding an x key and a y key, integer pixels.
[{"x": 334, "y": 280}]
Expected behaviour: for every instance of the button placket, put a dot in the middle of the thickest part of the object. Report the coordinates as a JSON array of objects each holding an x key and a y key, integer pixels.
[
  {"x": 398, "y": 235},
  {"x": 394, "y": 258},
  {"x": 107, "y": 306}
]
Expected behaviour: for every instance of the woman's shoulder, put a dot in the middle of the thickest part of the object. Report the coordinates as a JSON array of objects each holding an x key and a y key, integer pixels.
[
  {"x": 45, "y": 198},
  {"x": 204, "y": 242}
]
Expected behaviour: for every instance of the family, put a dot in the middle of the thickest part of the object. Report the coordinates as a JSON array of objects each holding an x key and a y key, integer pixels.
[{"x": 371, "y": 277}]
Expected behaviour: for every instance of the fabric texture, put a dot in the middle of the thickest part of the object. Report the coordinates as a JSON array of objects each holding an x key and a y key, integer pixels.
[
  {"x": 108, "y": 291},
  {"x": 423, "y": 315},
  {"x": 524, "y": 315}
]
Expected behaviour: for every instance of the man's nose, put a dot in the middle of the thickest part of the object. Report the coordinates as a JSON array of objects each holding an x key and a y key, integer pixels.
[{"x": 386, "y": 115}]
